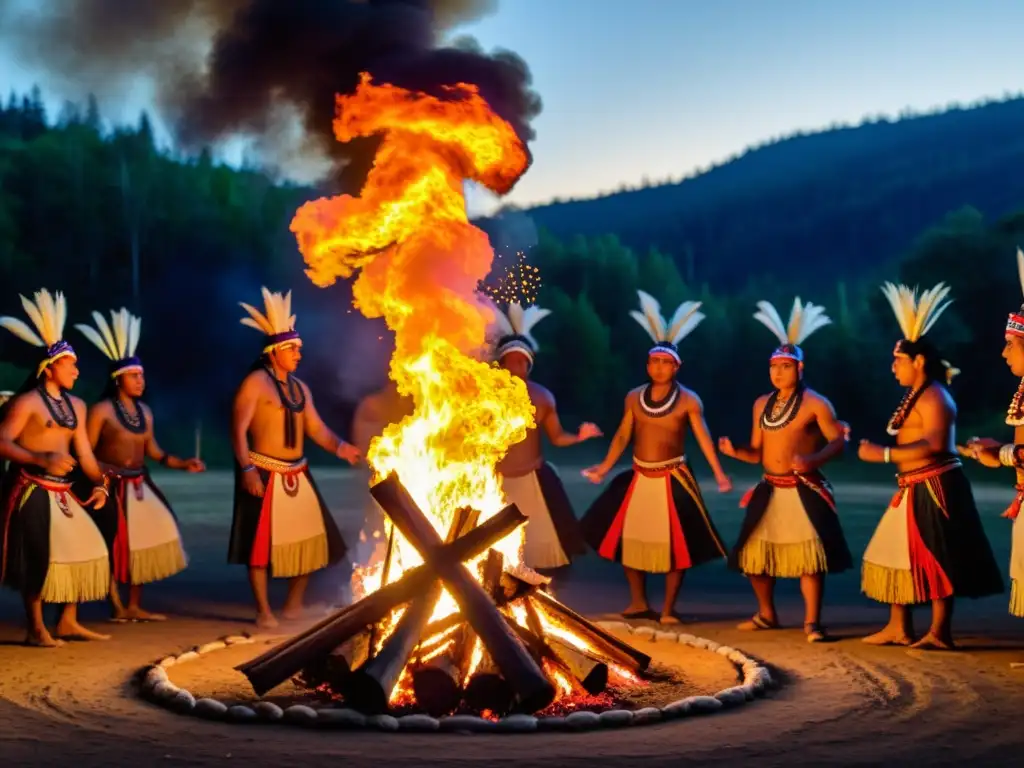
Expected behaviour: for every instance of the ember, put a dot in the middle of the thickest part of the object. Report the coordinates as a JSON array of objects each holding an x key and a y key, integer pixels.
[{"x": 460, "y": 622}]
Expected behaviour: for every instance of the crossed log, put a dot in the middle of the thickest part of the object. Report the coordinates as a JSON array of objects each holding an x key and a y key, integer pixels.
[{"x": 339, "y": 650}]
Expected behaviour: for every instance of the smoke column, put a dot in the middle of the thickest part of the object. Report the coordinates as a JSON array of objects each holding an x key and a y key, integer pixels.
[{"x": 267, "y": 69}]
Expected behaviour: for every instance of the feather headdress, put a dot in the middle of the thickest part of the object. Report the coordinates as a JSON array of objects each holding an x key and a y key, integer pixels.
[
  {"x": 1015, "y": 323},
  {"x": 277, "y": 324},
  {"x": 48, "y": 314},
  {"x": 804, "y": 319},
  {"x": 514, "y": 326},
  {"x": 916, "y": 316},
  {"x": 666, "y": 336},
  {"x": 117, "y": 340}
]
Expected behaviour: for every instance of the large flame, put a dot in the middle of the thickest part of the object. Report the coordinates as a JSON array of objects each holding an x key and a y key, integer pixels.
[{"x": 421, "y": 261}]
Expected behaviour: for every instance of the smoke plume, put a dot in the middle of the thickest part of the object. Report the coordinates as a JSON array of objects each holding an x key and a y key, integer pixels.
[{"x": 267, "y": 69}]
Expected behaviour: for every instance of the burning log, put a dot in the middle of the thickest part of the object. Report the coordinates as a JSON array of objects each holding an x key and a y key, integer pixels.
[
  {"x": 438, "y": 683},
  {"x": 369, "y": 688},
  {"x": 282, "y": 661},
  {"x": 533, "y": 690},
  {"x": 335, "y": 668},
  {"x": 604, "y": 643},
  {"x": 591, "y": 672}
]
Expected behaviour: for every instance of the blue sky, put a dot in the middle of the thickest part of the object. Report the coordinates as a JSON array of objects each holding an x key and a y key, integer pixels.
[{"x": 658, "y": 88}]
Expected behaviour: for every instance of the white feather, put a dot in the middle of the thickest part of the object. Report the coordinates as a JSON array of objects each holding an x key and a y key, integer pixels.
[
  {"x": 769, "y": 316},
  {"x": 90, "y": 333},
  {"x": 46, "y": 312},
  {"x": 684, "y": 320},
  {"x": 1020, "y": 268},
  {"x": 21, "y": 330},
  {"x": 652, "y": 320},
  {"x": 277, "y": 314}
]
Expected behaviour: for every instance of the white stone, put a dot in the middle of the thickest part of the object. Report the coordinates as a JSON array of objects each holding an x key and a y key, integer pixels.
[
  {"x": 268, "y": 710},
  {"x": 164, "y": 691},
  {"x": 582, "y": 721},
  {"x": 153, "y": 676},
  {"x": 518, "y": 723},
  {"x": 724, "y": 650},
  {"x": 711, "y": 645},
  {"x": 187, "y": 656},
  {"x": 645, "y": 632},
  {"x": 612, "y": 626},
  {"x": 168, "y": 661},
  {"x": 182, "y": 701},
  {"x": 553, "y": 723},
  {"x": 678, "y": 708},
  {"x": 760, "y": 678},
  {"x": 238, "y": 640},
  {"x": 210, "y": 709},
  {"x": 686, "y": 638},
  {"x": 731, "y": 697},
  {"x": 300, "y": 715},
  {"x": 646, "y": 715},
  {"x": 466, "y": 723},
  {"x": 615, "y": 718},
  {"x": 737, "y": 658},
  {"x": 663, "y": 636},
  {"x": 703, "y": 704},
  {"x": 242, "y": 714},
  {"x": 417, "y": 723},
  {"x": 383, "y": 722},
  {"x": 216, "y": 645},
  {"x": 749, "y": 690},
  {"x": 342, "y": 718}
]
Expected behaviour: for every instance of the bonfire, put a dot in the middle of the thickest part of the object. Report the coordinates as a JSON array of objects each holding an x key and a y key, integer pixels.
[{"x": 452, "y": 620}]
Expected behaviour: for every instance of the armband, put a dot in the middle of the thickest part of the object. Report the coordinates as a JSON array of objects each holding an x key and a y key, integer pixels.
[{"x": 887, "y": 454}]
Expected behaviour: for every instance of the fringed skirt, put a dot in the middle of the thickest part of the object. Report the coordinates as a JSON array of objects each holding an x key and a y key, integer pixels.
[
  {"x": 553, "y": 534},
  {"x": 791, "y": 529},
  {"x": 929, "y": 544},
  {"x": 653, "y": 519},
  {"x": 139, "y": 527},
  {"x": 1017, "y": 554},
  {"x": 51, "y": 545},
  {"x": 290, "y": 530}
]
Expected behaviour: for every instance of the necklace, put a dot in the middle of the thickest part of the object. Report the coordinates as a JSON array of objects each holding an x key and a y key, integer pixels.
[
  {"x": 779, "y": 413},
  {"x": 294, "y": 402},
  {"x": 906, "y": 405},
  {"x": 656, "y": 408},
  {"x": 1015, "y": 413},
  {"x": 134, "y": 423},
  {"x": 61, "y": 410}
]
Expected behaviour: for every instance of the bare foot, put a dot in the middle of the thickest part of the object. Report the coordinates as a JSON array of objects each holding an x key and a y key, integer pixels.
[
  {"x": 887, "y": 636},
  {"x": 138, "y": 614},
  {"x": 639, "y": 612},
  {"x": 42, "y": 639},
  {"x": 75, "y": 631},
  {"x": 932, "y": 642},
  {"x": 669, "y": 618},
  {"x": 266, "y": 621},
  {"x": 293, "y": 614},
  {"x": 758, "y": 622}
]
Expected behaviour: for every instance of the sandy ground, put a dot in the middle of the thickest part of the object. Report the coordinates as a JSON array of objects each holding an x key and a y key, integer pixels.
[{"x": 841, "y": 703}]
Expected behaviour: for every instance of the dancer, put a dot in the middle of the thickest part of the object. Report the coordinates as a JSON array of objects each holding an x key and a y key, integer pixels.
[
  {"x": 791, "y": 529},
  {"x": 552, "y": 537},
  {"x": 280, "y": 519},
  {"x": 652, "y": 517},
  {"x": 992, "y": 453},
  {"x": 139, "y": 525},
  {"x": 52, "y": 550},
  {"x": 929, "y": 544}
]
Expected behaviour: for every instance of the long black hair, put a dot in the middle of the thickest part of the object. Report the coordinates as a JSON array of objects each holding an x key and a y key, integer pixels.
[{"x": 936, "y": 368}]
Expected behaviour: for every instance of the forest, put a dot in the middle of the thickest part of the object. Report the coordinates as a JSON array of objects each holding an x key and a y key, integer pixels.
[{"x": 111, "y": 219}]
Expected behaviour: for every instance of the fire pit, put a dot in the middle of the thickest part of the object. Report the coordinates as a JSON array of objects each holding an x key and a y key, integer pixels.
[{"x": 509, "y": 646}]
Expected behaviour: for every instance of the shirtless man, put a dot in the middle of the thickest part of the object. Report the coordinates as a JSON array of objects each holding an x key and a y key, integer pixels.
[
  {"x": 139, "y": 525},
  {"x": 652, "y": 517},
  {"x": 280, "y": 519},
  {"x": 993, "y": 453},
  {"x": 929, "y": 545},
  {"x": 791, "y": 529},
  {"x": 52, "y": 550},
  {"x": 552, "y": 537}
]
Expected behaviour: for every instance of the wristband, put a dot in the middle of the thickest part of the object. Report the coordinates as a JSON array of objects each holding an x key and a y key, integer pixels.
[
  {"x": 103, "y": 489},
  {"x": 886, "y": 454},
  {"x": 248, "y": 468},
  {"x": 1006, "y": 455},
  {"x": 164, "y": 460}
]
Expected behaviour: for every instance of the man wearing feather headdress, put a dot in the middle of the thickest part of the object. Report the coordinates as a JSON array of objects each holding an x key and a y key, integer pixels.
[
  {"x": 791, "y": 529},
  {"x": 652, "y": 517},
  {"x": 281, "y": 521},
  {"x": 993, "y": 453},
  {"x": 929, "y": 545},
  {"x": 553, "y": 535},
  {"x": 52, "y": 550},
  {"x": 139, "y": 526}
]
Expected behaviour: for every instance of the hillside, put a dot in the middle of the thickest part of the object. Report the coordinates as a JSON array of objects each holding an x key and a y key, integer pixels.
[{"x": 833, "y": 202}]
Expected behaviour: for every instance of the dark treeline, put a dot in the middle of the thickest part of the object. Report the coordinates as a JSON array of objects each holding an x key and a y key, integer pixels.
[{"x": 110, "y": 219}]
